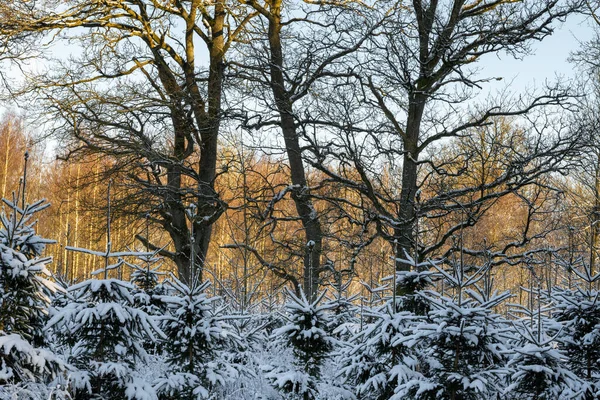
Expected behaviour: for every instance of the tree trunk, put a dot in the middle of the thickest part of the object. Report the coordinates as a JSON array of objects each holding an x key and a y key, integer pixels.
[
  {"x": 300, "y": 193},
  {"x": 208, "y": 118},
  {"x": 595, "y": 217},
  {"x": 208, "y": 205},
  {"x": 405, "y": 233}
]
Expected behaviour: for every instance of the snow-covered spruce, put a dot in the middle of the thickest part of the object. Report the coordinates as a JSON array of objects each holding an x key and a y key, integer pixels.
[
  {"x": 105, "y": 332},
  {"x": 460, "y": 347},
  {"x": 18, "y": 228},
  {"x": 377, "y": 360},
  {"x": 145, "y": 271},
  {"x": 197, "y": 345},
  {"x": 578, "y": 311},
  {"x": 22, "y": 362},
  {"x": 538, "y": 368},
  {"x": 460, "y": 351},
  {"x": 538, "y": 372},
  {"x": 306, "y": 334},
  {"x": 410, "y": 284},
  {"x": 24, "y": 298},
  {"x": 344, "y": 312},
  {"x": 24, "y": 288},
  {"x": 145, "y": 277}
]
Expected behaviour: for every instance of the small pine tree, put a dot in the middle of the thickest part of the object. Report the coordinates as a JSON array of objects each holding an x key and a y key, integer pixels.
[
  {"x": 578, "y": 312},
  {"x": 23, "y": 289},
  {"x": 537, "y": 368},
  {"x": 145, "y": 274},
  {"x": 24, "y": 297},
  {"x": 461, "y": 351},
  {"x": 146, "y": 278},
  {"x": 460, "y": 348},
  {"x": 105, "y": 332},
  {"x": 410, "y": 284},
  {"x": 377, "y": 358},
  {"x": 307, "y": 334},
  {"x": 344, "y": 313},
  {"x": 196, "y": 344}
]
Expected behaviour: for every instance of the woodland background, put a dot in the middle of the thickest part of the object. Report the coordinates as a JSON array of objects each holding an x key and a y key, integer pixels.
[{"x": 343, "y": 149}]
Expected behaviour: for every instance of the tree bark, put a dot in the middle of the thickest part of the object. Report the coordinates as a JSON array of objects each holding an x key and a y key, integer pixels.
[
  {"x": 405, "y": 233},
  {"x": 209, "y": 131},
  {"x": 300, "y": 193},
  {"x": 207, "y": 115}
]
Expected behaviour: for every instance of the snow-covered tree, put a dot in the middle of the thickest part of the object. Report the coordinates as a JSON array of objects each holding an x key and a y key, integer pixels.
[
  {"x": 22, "y": 362},
  {"x": 377, "y": 360},
  {"x": 460, "y": 351},
  {"x": 196, "y": 345},
  {"x": 306, "y": 333},
  {"x": 538, "y": 367},
  {"x": 344, "y": 318},
  {"x": 106, "y": 333},
  {"x": 24, "y": 299},
  {"x": 409, "y": 285},
  {"x": 538, "y": 370},
  {"x": 24, "y": 288},
  {"x": 460, "y": 347},
  {"x": 145, "y": 276},
  {"x": 578, "y": 312}
]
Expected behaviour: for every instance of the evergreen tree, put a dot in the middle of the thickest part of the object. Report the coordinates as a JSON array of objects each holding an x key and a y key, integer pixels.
[
  {"x": 344, "y": 313},
  {"x": 307, "y": 334},
  {"x": 24, "y": 300},
  {"x": 537, "y": 368},
  {"x": 461, "y": 351},
  {"x": 24, "y": 289},
  {"x": 378, "y": 360},
  {"x": 197, "y": 345},
  {"x": 409, "y": 285},
  {"x": 106, "y": 332},
  {"x": 145, "y": 276},
  {"x": 460, "y": 348},
  {"x": 578, "y": 311}
]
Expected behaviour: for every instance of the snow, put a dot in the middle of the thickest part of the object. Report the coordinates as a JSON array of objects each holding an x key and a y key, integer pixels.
[
  {"x": 148, "y": 340},
  {"x": 29, "y": 360}
]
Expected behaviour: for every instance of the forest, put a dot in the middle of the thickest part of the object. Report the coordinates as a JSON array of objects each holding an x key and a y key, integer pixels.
[{"x": 300, "y": 199}]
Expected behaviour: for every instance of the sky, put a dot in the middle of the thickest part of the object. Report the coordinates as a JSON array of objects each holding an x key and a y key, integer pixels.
[{"x": 548, "y": 61}]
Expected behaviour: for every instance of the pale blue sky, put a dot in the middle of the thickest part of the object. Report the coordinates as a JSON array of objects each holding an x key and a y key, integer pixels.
[{"x": 549, "y": 58}]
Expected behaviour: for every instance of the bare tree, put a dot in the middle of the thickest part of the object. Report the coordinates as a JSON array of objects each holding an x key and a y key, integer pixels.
[
  {"x": 414, "y": 94},
  {"x": 583, "y": 184},
  {"x": 305, "y": 42},
  {"x": 144, "y": 88}
]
